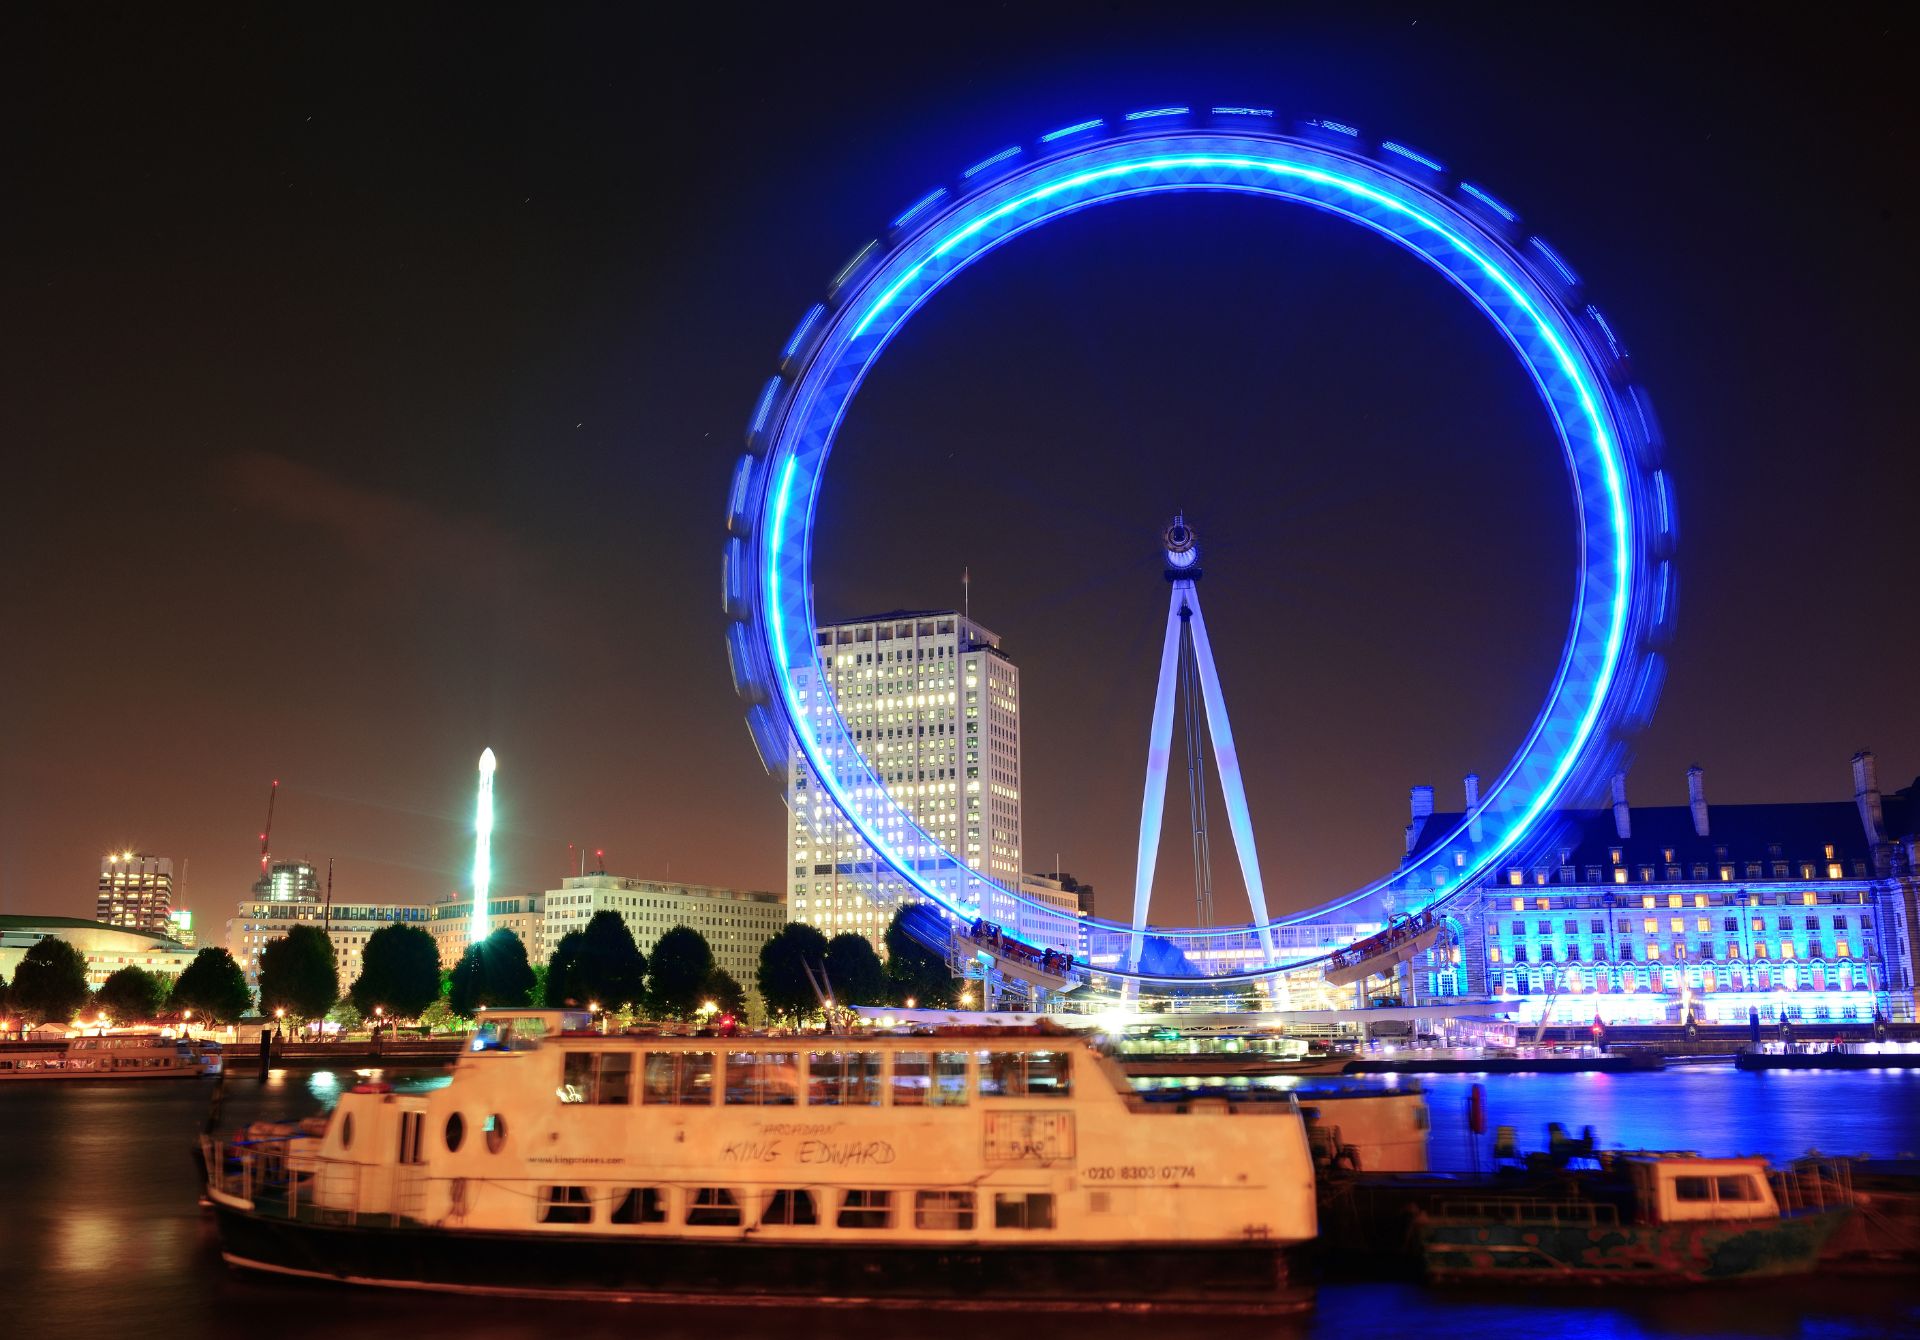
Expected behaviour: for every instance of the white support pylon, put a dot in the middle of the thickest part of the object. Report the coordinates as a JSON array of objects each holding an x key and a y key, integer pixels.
[{"x": 1183, "y": 571}]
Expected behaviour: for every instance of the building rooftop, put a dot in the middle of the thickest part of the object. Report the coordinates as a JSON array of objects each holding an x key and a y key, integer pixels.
[{"x": 16, "y": 923}]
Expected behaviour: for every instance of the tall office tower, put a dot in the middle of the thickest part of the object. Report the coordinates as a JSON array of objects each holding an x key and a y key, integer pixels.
[
  {"x": 933, "y": 705},
  {"x": 135, "y": 890}
]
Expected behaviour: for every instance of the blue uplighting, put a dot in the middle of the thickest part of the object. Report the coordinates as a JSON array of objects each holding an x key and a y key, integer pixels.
[
  {"x": 1613, "y": 341},
  {"x": 854, "y": 264},
  {"x": 1489, "y": 202},
  {"x": 919, "y": 206},
  {"x": 1093, "y": 123},
  {"x": 986, "y": 163},
  {"x": 766, "y": 403},
  {"x": 795, "y": 340},
  {"x": 1411, "y": 155},
  {"x": 1553, "y": 259}
]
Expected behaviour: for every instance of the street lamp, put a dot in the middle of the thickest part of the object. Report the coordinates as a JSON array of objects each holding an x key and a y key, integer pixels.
[{"x": 912, "y": 1003}]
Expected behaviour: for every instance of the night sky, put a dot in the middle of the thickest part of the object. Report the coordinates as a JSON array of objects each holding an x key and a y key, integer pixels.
[{"x": 375, "y": 374}]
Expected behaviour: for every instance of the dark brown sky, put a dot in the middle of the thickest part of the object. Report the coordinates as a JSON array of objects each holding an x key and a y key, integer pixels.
[{"x": 374, "y": 377}]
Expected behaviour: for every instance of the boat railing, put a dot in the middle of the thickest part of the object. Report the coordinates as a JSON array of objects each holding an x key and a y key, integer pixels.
[
  {"x": 1577, "y": 1213},
  {"x": 1813, "y": 1185},
  {"x": 277, "y": 1181}
]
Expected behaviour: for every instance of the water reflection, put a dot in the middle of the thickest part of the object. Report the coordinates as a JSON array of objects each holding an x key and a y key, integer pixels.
[{"x": 100, "y": 1229}]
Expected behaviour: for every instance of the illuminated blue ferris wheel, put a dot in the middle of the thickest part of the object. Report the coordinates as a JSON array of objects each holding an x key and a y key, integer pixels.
[{"x": 1609, "y": 673}]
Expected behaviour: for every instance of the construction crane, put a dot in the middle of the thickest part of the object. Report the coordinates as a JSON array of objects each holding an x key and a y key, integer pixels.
[{"x": 266, "y": 834}]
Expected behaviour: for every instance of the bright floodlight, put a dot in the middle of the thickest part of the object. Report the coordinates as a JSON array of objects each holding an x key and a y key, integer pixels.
[{"x": 482, "y": 847}]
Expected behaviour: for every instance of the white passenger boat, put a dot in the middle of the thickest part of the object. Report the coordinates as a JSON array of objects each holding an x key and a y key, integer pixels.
[
  {"x": 977, "y": 1167},
  {"x": 114, "y": 1056}
]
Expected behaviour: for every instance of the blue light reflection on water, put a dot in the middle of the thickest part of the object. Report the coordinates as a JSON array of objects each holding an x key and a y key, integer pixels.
[{"x": 1712, "y": 1108}]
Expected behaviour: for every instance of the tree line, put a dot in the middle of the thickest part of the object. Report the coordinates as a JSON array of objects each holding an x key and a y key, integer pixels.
[{"x": 401, "y": 977}]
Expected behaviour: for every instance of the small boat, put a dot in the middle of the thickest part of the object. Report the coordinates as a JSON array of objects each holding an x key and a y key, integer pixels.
[
  {"x": 1655, "y": 1219},
  {"x": 959, "y": 1167},
  {"x": 110, "y": 1056}
]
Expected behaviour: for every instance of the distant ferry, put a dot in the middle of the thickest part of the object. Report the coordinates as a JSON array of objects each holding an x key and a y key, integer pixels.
[
  {"x": 114, "y": 1056},
  {"x": 973, "y": 1167}
]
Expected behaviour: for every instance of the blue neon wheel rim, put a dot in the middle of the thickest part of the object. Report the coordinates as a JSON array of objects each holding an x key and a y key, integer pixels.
[{"x": 1608, "y": 674}]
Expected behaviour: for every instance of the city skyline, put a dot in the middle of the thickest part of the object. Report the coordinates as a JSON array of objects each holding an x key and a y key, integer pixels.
[{"x": 438, "y": 598}]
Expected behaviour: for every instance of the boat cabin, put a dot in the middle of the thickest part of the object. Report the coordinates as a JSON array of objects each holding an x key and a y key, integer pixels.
[{"x": 1669, "y": 1190}]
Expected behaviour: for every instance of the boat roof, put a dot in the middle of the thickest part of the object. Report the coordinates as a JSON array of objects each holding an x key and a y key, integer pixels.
[{"x": 1654, "y": 1158}]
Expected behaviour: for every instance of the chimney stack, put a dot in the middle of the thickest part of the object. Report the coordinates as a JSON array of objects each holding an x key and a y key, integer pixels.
[
  {"x": 1473, "y": 806},
  {"x": 1697, "y": 799},
  {"x": 1622, "y": 821},
  {"x": 1866, "y": 796},
  {"x": 1422, "y": 807}
]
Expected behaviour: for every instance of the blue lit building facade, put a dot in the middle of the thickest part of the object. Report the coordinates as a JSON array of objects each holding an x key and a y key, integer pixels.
[{"x": 1640, "y": 914}]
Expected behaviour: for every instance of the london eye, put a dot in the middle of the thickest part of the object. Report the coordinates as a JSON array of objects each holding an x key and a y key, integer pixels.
[{"x": 1609, "y": 671}]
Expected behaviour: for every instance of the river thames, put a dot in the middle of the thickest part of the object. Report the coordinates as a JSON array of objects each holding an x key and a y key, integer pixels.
[{"x": 101, "y": 1233}]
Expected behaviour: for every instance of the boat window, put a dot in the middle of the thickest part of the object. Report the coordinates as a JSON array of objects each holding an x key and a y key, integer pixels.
[
  {"x": 866, "y": 1209},
  {"x": 1017, "y": 1209},
  {"x": 843, "y": 1079},
  {"x": 456, "y": 1131},
  {"x": 1736, "y": 1188},
  {"x": 943, "y": 1209},
  {"x": 657, "y": 1082},
  {"x": 938, "y": 1079},
  {"x": 346, "y": 1131},
  {"x": 912, "y": 1078},
  {"x": 614, "y": 1077},
  {"x": 678, "y": 1078},
  {"x": 762, "y": 1079},
  {"x": 605, "y": 1078},
  {"x": 1025, "y": 1075},
  {"x": 641, "y": 1205},
  {"x": 565, "y": 1205},
  {"x": 793, "y": 1206},
  {"x": 1693, "y": 1188},
  {"x": 496, "y": 1129},
  {"x": 713, "y": 1207}
]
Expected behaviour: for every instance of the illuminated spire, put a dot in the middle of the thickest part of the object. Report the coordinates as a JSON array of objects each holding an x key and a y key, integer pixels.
[{"x": 483, "y": 847}]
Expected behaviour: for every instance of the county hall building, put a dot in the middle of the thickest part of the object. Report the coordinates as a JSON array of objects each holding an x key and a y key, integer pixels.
[{"x": 1638, "y": 914}]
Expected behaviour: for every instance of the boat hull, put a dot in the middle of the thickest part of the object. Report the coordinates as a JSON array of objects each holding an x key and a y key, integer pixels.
[
  {"x": 1473, "y": 1250},
  {"x": 100, "y": 1076},
  {"x": 1214, "y": 1278}
]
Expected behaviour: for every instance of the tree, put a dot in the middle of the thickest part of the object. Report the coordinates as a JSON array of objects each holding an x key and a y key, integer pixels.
[
  {"x": 682, "y": 967},
  {"x": 854, "y": 972},
  {"x": 600, "y": 965},
  {"x": 914, "y": 972},
  {"x": 781, "y": 978},
  {"x": 556, "y": 986},
  {"x": 131, "y": 995},
  {"x": 726, "y": 994},
  {"x": 213, "y": 987},
  {"x": 298, "y": 974},
  {"x": 51, "y": 982},
  {"x": 399, "y": 970},
  {"x": 494, "y": 972}
]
